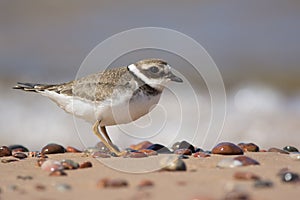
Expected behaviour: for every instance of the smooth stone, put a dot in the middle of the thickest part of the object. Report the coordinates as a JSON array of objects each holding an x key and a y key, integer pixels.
[
  {"x": 58, "y": 173},
  {"x": 227, "y": 148},
  {"x": 160, "y": 149},
  {"x": 51, "y": 165},
  {"x": 187, "y": 152},
  {"x": 145, "y": 184},
  {"x": 295, "y": 156},
  {"x": 290, "y": 177},
  {"x": 87, "y": 164},
  {"x": 229, "y": 163},
  {"x": 53, "y": 148},
  {"x": 149, "y": 152},
  {"x": 201, "y": 155},
  {"x": 20, "y": 155},
  {"x": 273, "y": 149},
  {"x": 245, "y": 160},
  {"x": 183, "y": 145},
  {"x": 172, "y": 163},
  {"x": 101, "y": 147},
  {"x": 100, "y": 154},
  {"x": 135, "y": 155},
  {"x": 263, "y": 184},
  {"x": 69, "y": 164},
  {"x": 18, "y": 148},
  {"x": 112, "y": 183},
  {"x": 5, "y": 151},
  {"x": 249, "y": 147},
  {"x": 246, "y": 176},
  {"x": 70, "y": 149},
  {"x": 62, "y": 187},
  {"x": 290, "y": 149},
  {"x": 141, "y": 145}
]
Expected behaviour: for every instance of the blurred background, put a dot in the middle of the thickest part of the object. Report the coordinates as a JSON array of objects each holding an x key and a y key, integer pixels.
[{"x": 255, "y": 45}]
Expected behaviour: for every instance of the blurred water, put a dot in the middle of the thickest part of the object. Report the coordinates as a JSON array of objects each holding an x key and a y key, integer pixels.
[{"x": 255, "y": 44}]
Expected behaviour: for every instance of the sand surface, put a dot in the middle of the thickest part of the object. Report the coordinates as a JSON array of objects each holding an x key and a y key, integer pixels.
[{"x": 202, "y": 180}]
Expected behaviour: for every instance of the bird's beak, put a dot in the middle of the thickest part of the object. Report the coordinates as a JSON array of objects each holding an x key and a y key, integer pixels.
[{"x": 174, "y": 78}]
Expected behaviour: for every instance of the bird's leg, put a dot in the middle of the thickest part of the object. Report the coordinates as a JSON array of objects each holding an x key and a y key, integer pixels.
[{"x": 106, "y": 140}]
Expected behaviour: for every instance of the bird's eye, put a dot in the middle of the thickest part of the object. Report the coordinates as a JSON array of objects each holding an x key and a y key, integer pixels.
[{"x": 154, "y": 69}]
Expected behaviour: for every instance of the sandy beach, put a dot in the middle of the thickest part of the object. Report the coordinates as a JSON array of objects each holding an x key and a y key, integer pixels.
[{"x": 201, "y": 180}]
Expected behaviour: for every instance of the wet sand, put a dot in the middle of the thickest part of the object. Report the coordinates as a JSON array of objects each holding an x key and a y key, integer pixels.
[{"x": 202, "y": 180}]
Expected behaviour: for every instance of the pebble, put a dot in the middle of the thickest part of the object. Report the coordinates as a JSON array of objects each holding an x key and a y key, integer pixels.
[
  {"x": 112, "y": 183},
  {"x": 245, "y": 160},
  {"x": 183, "y": 156},
  {"x": 183, "y": 145},
  {"x": 145, "y": 184},
  {"x": 236, "y": 195},
  {"x": 263, "y": 184},
  {"x": 135, "y": 155},
  {"x": 249, "y": 147},
  {"x": 290, "y": 149},
  {"x": 51, "y": 165},
  {"x": 24, "y": 177},
  {"x": 32, "y": 154},
  {"x": 295, "y": 156},
  {"x": 172, "y": 163},
  {"x": 19, "y": 155},
  {"x": 273, "y": 149},
  {"x": 101, "y": 147},
  {"x": 187, "y": 152},
  {"x": 70, "y": 149},
  {"x": 141, "y": 145},
  {"x": 87, "y": 164},
  {"x": 5, "y": 151},
  {"x": 227, "y": 148},
  {"x": 40, "y": 187},
  {"x": 100, "y": 154},
  {"x": 290, "y": 177},
  {"x": 58, "y": 173},
  {"x": 9, "y": 160},
  {"x": 149, "y": 152},
  {"x": 201, "y": 155},
  {"x": 17, "y": 148},
  {"x": 160, "y": 149},
  {"x": 53, "y": 149},
  {"x": 69, "y": 164},
  {"x": 62, "y": 187},
  {"x": 245, "y": 176},
  {"x": 199, "y": 150}
]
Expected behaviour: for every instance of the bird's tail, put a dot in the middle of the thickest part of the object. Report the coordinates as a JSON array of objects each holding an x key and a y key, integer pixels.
[{"x": 32, "y": 87}]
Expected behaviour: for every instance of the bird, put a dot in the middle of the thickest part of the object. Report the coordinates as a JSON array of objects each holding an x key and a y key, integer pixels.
[{"x": 111, "y": 97}]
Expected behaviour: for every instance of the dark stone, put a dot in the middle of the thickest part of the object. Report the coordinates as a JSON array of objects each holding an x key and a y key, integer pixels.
[
  {"x": 183, "y": 157},
  {"x": 160, "y": 149},
  {"x": 290, "y": 177},
  {"x": 183, "y": 145},
  {"x": 249, "y": 147},
  {"x": 199, "y": 150},
  {"x": 5, "y": 151},
  {"x": 53, "y": 149},
  {"x": 273, "y": 149},
  {"x": 20, "y": 155},
  {"x": 245, "y": 160},
  {"x": 18, "y": 148},
  {"x": 290, "y": 149},
  {"x": 101, "y": 146},
  {"x": 263, "y": 184},
  {"x": 135, "y": 155},
  {"x": 227, "y": 148},
  {"x": 173, "y": 164}
]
